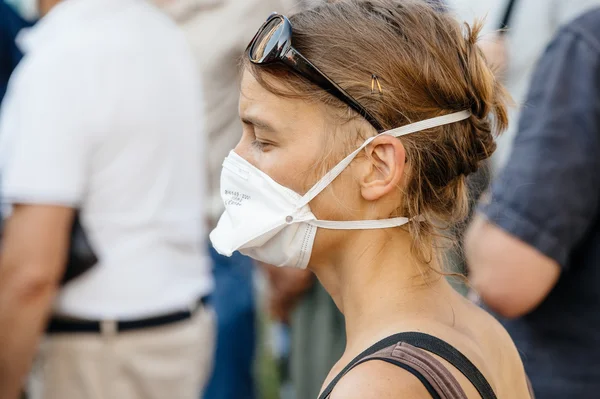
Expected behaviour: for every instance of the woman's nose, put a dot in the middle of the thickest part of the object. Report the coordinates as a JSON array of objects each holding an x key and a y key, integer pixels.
[{"x": 244, "y": 149}]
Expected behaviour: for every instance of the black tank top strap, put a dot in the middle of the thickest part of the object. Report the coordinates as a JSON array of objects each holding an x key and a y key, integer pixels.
[{"x": 401, "y": 350}]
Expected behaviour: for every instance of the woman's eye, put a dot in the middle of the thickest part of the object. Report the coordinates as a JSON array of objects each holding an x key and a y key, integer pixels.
[{"x": 259, "y": 145}]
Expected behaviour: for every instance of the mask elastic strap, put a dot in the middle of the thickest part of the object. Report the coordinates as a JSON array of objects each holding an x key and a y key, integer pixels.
[
  {"x": 359, "y": 224},
  {"x": 397, "y": 132}
]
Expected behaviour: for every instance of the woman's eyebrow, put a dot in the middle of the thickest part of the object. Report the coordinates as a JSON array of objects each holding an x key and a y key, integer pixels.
[{"x": 259, "y": 123}]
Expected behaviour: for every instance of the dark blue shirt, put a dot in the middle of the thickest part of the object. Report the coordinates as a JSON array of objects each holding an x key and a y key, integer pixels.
[
  {"x": 10, "y": 25},
  {"x": 549, "y": 197}
]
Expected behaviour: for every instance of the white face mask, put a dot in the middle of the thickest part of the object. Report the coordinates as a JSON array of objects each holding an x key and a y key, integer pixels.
[{"x": 273, "y": 224}]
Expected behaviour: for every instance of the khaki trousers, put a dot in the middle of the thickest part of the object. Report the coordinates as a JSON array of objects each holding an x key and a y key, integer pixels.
[{"x": 168, "y": 362}]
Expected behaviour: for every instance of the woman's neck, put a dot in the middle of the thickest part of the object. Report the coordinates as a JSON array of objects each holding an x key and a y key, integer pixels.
[{"x": 382, "y": 288}]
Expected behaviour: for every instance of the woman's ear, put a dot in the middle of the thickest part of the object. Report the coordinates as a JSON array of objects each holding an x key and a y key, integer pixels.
[{"x": 386, "y": 158}]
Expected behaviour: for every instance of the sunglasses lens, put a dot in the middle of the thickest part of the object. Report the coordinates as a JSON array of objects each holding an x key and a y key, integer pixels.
[{"x": 267, "y": 40}]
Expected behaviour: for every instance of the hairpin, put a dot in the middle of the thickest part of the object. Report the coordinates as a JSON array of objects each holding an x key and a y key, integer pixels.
[{"x": 374, "y": 80}]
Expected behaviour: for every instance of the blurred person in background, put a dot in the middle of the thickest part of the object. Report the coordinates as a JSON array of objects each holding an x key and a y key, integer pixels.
[
  {"x": 217, "y": 54},
  {"x": 530, "y": 25},
  {"x": 515, "y": 35},
  {"x": 534, "y": 248},
  {"x": 102, "y": 119},
  {"x": 11, "y": 24}
]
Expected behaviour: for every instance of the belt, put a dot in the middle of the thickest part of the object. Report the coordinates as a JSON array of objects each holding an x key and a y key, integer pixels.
[{"x": 61, "y": 325}]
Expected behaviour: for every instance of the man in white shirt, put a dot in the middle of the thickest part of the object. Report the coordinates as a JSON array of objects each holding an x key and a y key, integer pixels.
[{"x": 102, "y": 117}]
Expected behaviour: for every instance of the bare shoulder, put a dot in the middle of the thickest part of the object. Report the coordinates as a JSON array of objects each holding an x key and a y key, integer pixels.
[
  {"x": 500, "y": 356},
  {"x": 496, "y": 337},
  {"x": 379, "y": 380}
]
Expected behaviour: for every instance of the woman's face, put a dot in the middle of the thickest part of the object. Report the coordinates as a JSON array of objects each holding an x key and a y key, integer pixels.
[
  {"x": 289, "y": 138},
  {"x": 286, "y": 138}
]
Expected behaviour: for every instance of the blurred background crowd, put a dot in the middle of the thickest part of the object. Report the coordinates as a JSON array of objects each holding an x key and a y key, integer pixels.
[{"x": 277, "y": 331}]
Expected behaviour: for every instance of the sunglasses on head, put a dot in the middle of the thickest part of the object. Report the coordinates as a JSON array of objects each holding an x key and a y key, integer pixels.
[{"x": 273, "y": 43}]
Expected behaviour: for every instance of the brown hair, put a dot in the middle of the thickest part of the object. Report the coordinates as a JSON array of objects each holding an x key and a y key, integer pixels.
[{"x": 427, "y": 65}]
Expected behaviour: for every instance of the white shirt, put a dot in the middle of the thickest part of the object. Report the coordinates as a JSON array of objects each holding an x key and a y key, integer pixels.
[
  {"x": 104, "y": 114},
  {"x": 533, "y": 24}
]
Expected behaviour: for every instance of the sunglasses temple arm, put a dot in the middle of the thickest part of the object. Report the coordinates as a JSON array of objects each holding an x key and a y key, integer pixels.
[{"x": 304, "y": 67}]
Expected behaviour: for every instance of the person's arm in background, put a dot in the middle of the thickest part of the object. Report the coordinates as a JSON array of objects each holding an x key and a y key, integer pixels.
[
  {"x": 548, "y": 195},
  {"x": 509, "y": 275},
  {"x": 35, "y": 244},
  {"x": 44, "y": 141},
  {"x": 287, "y": 286}
]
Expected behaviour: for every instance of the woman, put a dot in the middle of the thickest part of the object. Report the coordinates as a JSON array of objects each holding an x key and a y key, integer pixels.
[{"x": 360, "y": 126}]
